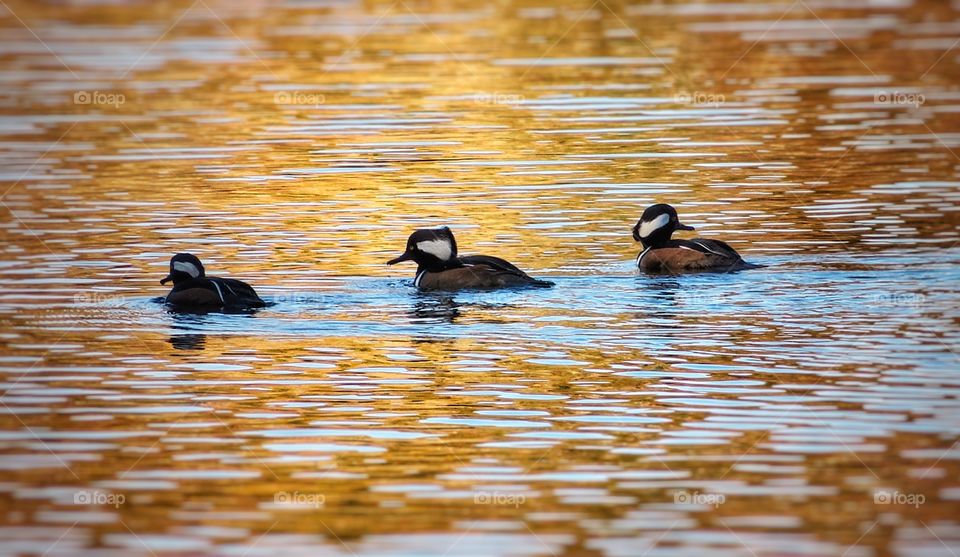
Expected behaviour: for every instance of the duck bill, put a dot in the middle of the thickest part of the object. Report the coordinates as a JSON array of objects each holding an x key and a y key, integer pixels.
[
  {"x": 166, "y": 279},
  {"x": 407, "y": 256},
  {"x": 636, "y": 232},
  {"x": 684, "y": 227}
]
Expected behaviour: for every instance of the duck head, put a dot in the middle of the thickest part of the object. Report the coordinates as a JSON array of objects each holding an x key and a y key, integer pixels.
[
  {"x": 433, "y": 249},
  {"x": 183, "y": 267},
  {"x": 657, "y": 224}
]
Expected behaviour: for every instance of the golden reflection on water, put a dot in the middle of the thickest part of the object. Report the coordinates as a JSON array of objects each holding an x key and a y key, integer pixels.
[{"x": 809, "y": 407}]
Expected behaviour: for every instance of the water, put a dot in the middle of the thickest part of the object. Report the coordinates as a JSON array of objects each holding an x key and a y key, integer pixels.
[{"x": 807, "y": 408}]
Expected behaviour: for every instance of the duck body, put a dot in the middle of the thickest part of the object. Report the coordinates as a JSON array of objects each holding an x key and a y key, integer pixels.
[
  {"x": 662, "y": 254},
  {"x": 440, "y": 268},
  {"x": 193, "y": 289},
  {"x": 699, "y": 254},
  {"x": 476, "y": 271},
  {"x": 214, "y": 292}
]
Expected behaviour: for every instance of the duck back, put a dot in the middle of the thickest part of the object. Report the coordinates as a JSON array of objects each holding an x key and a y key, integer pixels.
[
  {"x": 478, "y": 271},
  {"x": 215, "y": 292}
]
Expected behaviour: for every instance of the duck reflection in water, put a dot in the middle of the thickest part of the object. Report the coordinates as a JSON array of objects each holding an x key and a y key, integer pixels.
[
  {"x": 435, "y": 307},
  {"x": 440, "y": 307},
  {"x": 187, "y": 321},
  {"x": 191, "y": 341},
  {"x": 669, "y": 297},
  {"x": 682, "y": 300}
]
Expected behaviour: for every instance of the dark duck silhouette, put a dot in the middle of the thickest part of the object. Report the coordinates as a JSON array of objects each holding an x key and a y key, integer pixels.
[{"x": 193, "y": 289}]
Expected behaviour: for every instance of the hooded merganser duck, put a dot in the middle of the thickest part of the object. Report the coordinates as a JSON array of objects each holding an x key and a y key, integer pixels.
[
  {"x": 439, "y": 267},
  {"x": 192, "y": 288},
  {"x": 662, "y": 255}
]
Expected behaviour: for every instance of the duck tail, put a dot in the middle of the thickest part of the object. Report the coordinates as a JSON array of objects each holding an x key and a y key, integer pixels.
[{"x": 745, "y": 265}]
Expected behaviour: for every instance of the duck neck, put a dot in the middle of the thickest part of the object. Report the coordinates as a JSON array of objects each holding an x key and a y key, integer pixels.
[
  {"x": 437, "y": 266},
  {"x": 180, "y": 277},
  {"x": 658, "y": 239}
]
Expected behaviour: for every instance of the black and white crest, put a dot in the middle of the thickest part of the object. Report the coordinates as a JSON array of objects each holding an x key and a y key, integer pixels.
[
  {"x": 184, "y": 266},
  {"x": 657, "y": 224},
  {"x": 431, "y": 248}
]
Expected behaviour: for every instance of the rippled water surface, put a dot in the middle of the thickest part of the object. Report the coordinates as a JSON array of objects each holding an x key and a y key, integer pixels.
[{"x": 806, "y": 408}]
